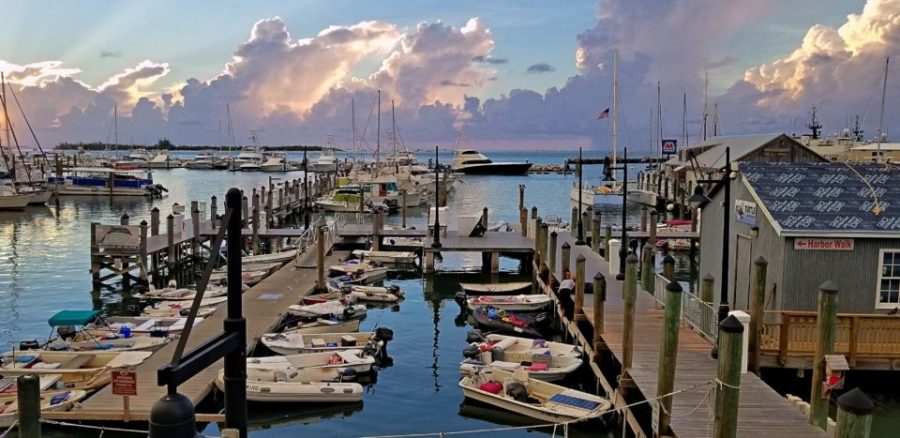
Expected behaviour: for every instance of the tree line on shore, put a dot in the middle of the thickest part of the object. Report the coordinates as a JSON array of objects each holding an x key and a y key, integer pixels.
[{"x": 165, "y": 144}]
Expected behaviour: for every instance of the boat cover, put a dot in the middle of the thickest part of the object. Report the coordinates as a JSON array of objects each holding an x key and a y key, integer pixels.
[{"x": 73, "y": 317}]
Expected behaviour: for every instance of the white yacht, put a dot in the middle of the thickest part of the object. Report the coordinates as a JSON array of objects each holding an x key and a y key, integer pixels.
[
  {"x": 276, "y": 162},
  {"x": 472, "y": 162},
  {"x": 250, "y": 159},
  {"x": 326, "y": 162},
  {"x": 162, "y": 160},
  {"x": 203, "y": 160}
]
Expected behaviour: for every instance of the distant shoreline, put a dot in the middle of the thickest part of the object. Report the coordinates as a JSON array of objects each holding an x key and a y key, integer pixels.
[{"x": 157, "y": 147}]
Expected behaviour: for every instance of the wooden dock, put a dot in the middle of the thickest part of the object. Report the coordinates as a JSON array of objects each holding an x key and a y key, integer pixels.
[
  {"x": 264, "y": 305},
  {"x": 491, "y": 245},
  {"x": 762, "y": 411}
]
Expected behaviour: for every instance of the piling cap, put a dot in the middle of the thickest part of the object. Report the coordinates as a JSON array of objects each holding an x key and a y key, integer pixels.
[
  {"x": 599, "y": 277},
  {"x": 155, "y": 210},
  {"x": 580, "y": 258},
  {"x": 709, "y": 277},
  {"x": 553, "y": 233},
  {"x": 828, "y": 287},
  {"x": 731, "y": 325},
  {"x": 855, "y": 401},
  {"x": 631, "y": 259},
  {"x": 144, "y": 223},
  {"x": 674, "y": 286},
  {"x": 761, "y": 261},
  {"x": 653, "y": 212},
  {"x": 566, "y": 245},
  {"x": 669, "y": 259}
]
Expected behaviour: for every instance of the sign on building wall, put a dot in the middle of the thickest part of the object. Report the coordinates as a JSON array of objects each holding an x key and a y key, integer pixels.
[
  {"x": 823, "y": 244},
  {"x": 745, "y": 212}
]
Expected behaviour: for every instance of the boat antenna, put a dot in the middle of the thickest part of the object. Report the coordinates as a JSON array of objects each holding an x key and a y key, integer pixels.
[
  {"x": 659, "y": 128},
  {"x": 814, "y": 126},
  {"x": 705, "y": 103},
  {"x": 378, "y": 133},
  {"x": 887, "y": 61},
  {"x": 716, "y": 119},
  {"x": 684, "y": 131},
  {"x": 857, "y": 130},
  {"x": 615, "y": 109}
]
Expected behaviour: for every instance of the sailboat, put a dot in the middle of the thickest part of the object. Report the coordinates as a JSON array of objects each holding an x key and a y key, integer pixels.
[
  {"x": 609, "y": 190},
  {"x": 635, "y": 193},
  {"x": 15, "y": 191}
]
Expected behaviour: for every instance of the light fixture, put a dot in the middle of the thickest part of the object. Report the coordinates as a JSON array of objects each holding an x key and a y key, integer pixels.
[
  {"x": 698, "y": 199},
  {"x": 754, "y": 232}
]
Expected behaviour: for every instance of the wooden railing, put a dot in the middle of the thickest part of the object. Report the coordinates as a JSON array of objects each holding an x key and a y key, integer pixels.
[{"x": 858, "y": 335}]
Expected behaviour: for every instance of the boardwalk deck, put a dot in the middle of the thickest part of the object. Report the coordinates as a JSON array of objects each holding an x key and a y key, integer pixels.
[
  {"x": 492, "y": 241},
  {"x": 263, "y": 306},
  {"x": 762, "y": 411}
]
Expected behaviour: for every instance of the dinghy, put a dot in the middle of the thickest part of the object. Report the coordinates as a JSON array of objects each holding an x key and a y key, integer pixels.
[
  {"x": 326, "y": 325},
  {"x": 278, "y": 257},
  {"x": 66, "y": 369},
  {"x": 354, "y": 266},
  {"x": 390, "y": 294},
  {"x": 495, "y": 288},
  {"x": 71, "y": 328},
  {"x": 360, "y": 361},
  {"x": 296, "y": 343},
  {"x": 328, "y": 308},
  {"x": 142, "y": 325},
  {"x": 387, "y": 257},
  {"x": 516, "y": 392},
  {"x": 510, "y": 322},
  {"x": 247, "y": 277},
  {"x": 279, "y": 386},
  {"x": 59, "y": 401},
  {"x": 181, "y": 294},
  {"x": 520, "y": 303},
  {"x": 175, "y": 309},
  {"x": 542, "y": 359},
  {"x": 186, "y": 304}
]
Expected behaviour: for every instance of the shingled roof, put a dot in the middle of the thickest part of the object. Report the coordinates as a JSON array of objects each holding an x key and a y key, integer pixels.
[{"x": 827, "y": 198}]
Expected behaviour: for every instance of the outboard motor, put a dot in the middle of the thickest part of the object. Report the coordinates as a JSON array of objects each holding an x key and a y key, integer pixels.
[
  {"x": 471, "y": 351},
  {"x": 474, "y": 335},
  {"x": 384, "y": 334},
  {"x": 349, "y": 312},
  {"x": 31, "y": 344},
  {"x": 460, "y": 299},
  {"x": 347, "y": 375}
]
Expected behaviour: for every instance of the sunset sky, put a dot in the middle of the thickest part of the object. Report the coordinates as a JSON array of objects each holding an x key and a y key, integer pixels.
[{"x": 513, "y": 74}]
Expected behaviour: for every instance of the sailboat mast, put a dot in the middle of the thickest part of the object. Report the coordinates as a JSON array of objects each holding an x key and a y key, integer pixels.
[
  {"x": 393, "y": 130},
  {"x": 659, "y": 135},
  {"x": 615, "y": 107},
  {"x": 353, "y": 125},
  {"x": 116, "y": 126},
  {"x": 887, "y": 61},
  {"x": 705, "y": 103},
  {"x": 716, "y": 119},
  {"x": 378, "y": 133},
  {"x": 684, "y": 131}
]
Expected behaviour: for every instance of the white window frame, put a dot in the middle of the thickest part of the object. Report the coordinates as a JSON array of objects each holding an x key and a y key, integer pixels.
[{"x": 878, "y": 303}]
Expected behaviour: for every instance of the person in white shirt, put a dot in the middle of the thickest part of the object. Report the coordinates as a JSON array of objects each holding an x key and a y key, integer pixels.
[{"x": 566, "y": 289}]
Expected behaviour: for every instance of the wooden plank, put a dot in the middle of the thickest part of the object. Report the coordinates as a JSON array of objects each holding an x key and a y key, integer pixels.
[{"x": 506, "y": 242}]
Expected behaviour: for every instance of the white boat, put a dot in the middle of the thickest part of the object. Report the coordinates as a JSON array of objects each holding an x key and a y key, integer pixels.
[
  {"x": 186, "y": 304},
  {"x": 104, "y": 181},
  {"x": 277, "y": 386},
  {"x": 203, "y": 160},
  {"x": 182, "y": 294},
  {"x": 276, "y": 162},
  {"x": 546, "y": 360},
  {"x": 68, "y": 369},
  {"x": 326, "y": 325},
  {"x": 532, "y": 397},
  {"x": 326, "y": 162},
  {"x": 12, "y": 200},
  {"x": 277, "y": 257},
  {"x": 387, "y": 257},
  {"x": 249, "y": 278},
  {"x": 471, "y": 162},
  {"x": 162, "y": 160},
  {"x": 175, "y": 309},
  {"x": 343, "y": 199},
  {"x": 112, "y": 342},
  {"x": 355, "y": 266},
  {"x": 495, "y": 288},
  {"x": 139, "y": 155},
  {"x": 643, "y": 197},
  {"x": 296, "y": 343},
  {"x": 143, "y": 325},
  {"x": 366, "y": 293},
  {"x": 249, "y": 159},
  {"x": 355, "y": 359},
  {"x": 59, "y": 401},
  {"x": 39, "y": 196},
  {"x": 328, "y": 308},
  {"x": 521, "y": 303}
]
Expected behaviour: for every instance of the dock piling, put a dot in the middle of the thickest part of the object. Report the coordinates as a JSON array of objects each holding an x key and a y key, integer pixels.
[
  {"x": 29, "y": 412},
  {"x": 213, "y": 212},
  {"x": 579, "y": 287},
  {"x": 643, "y": 218},
  {"x": 545, "y": 241},
  {"x": 595, "y": 232},
  {"x": 170, "y": 235},
  {"x": 728, "y": 377},
  {"x": 521, "y": 197},
  {"x": 606, "y": 240},
  {"x": 573, "y": 226},
  {"x": 668, "y": 355},
  {"x": 854, "y": 415},
  {"x": 756, "y": 313},
  {"x": 566, "y": 257},
  {"x": 403, "y": 210},
  {"x": 630, "y": 296},
  {"x": 551, "y": 253},
  {"x": 826, "y": 322},
  {"x": 320, "y": 259},
  {"x": 669, "y": 267},
  {"x": 648, "y": 269},
  {"x": 599, "y": 304},
  {"x": 523, "y": 221}
]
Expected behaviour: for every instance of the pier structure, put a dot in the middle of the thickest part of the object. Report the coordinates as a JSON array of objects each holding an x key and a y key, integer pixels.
[{"x": 142, "y": 253}]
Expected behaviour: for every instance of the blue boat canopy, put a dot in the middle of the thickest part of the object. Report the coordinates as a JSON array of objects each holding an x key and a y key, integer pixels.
[{"x": 73, "y": 317}]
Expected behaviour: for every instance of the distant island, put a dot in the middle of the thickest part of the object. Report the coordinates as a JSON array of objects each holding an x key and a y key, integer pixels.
[{"x": 165, "y": 144}]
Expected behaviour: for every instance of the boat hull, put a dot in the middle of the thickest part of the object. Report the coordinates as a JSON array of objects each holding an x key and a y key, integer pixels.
[
  {"x": 495, "y": 169},
  {"x": 642, "y": 197},
  {"x": 495, "y": 288},
  {"x": 14, "y": 202}
]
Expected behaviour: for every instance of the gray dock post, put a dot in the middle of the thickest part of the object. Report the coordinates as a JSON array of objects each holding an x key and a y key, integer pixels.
[
  {"x": 629, "y": 290},
  {"x": 757, "y": 305},
  {"x": 195, "y": 223},
  {"x": 521, "y": 197},
  {"x": 587, "y": 222},
  {"x": 599, "y": 304},
  {"x": 606, "y": 240},
  {"x": 170, "y": 244},
  {"x": 523, "y": 222},
  {"x": 706, "y": 295},
  {"x": 643, "y": 218},
  {"x": 484, "y": 217},
  {"x": 826, "y": 321},
  {"x": 579, "y": 287},
  {"x": 669, "y": 267},
  {"x": 320, "y": 259},
  {"x": 595, "y": 232},
  {"x": 551, "y": 255},
  {"x": 668, "y": 355},
  {"x": 254, "y": 223},
  {"x": 29, "y": 398},
  {"x": 566, "y": 258},
  {"x": 154, "y": 221},
  {"x": 545, "y": 239},
  {"x": 854, "y": 415},
  {"x": 376, "y": 230},
  {"x": 728, "y": 376},
  {"x": 213, "y": 212},
  {"x": 651, "y": 227},
  {"x": 143, "y": 252},
  {"x": 403, "y": 211},
  {"x": 648, "y": 270},
  {"x": 537, "y": 241},
  {"x": 573, "y": 226}
]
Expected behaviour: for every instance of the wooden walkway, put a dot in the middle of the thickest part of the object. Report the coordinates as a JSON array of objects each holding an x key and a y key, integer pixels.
[
  {"x": 762, "y": 411},
  {"x": 492, "y": 241},
  {"x": 365, "y": 230},
  {"x": 264, "y": 305}
]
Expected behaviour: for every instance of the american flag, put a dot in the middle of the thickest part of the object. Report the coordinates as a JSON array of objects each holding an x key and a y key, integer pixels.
[{"x": 603, "y": 115}]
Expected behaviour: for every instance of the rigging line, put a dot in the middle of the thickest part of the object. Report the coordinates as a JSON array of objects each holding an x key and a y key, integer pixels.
[
  {"x": 877, "y": 210},
  {"x": 88, "y": 426}
]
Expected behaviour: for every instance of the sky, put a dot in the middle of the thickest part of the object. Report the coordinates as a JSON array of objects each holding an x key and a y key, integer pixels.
[{"x": 507, "y": 75}]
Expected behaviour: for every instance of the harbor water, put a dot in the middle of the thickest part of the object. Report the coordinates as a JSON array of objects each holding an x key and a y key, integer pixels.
[{"x": 44, "y": 268}]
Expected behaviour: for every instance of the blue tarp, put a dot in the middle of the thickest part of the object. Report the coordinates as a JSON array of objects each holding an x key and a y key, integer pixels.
[{"x": 73, "y": 317}]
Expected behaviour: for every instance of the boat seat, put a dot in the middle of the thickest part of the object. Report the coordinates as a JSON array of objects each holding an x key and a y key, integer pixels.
[
  {"x": 280, "y": 376},
  {"x": 575, "y": 402},
  {"x": 77, "y": 361}
]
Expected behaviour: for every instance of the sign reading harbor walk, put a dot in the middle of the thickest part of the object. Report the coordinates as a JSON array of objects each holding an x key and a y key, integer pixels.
[{"x": 745, "y": 212}]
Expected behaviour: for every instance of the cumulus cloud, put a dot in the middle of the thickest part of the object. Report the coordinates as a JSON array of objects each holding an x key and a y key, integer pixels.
[{"x": 541, "y": 67}]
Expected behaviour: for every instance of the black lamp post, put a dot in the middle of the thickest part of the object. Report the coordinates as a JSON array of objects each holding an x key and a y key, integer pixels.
[
  {"x": 697, "y": 200},
  {"x": 436, "y": 242},
  {"x": 305, "y": 191},
  {"x": 579, "y": 237},
  {"x": 623, "y": 251}
]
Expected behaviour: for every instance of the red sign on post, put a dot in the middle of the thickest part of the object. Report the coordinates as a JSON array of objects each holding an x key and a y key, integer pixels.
[
  {"x": 124, "y": 382},
  {"x": 823, "y": 244}
]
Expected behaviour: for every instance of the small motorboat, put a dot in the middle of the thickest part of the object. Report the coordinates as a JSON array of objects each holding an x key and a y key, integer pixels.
[
  {"x": 358, "y": 268},
  {"x": 387, "y": 257},
  {"x": 58, "y": 401},
  {"x": 66, "y": 369},
  {"x": 520, "y": 303},
  {"x": 510, "y": 322},
  {"x": 544, "y": 360},
  {"x": 516, "y": 392},
  {"x": 249, "y": 278},
  {"x": 326, "y": 309},
  {"x": 277, "y": 257},
  {"x": 73, "y": 334},
  {"x": 186, "y": 304},
  {"x": 325, "y": 325},
  {"x": 283, "y": 387},
  {"x": 360, "y": 361},
  {"x": 181, "y": 294},
  {"x": 142, "y": 325},
  {"x": 495, "y": 288},
  {"x": 357, "y": 293},
  {"x": 296, "y": 343}
]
